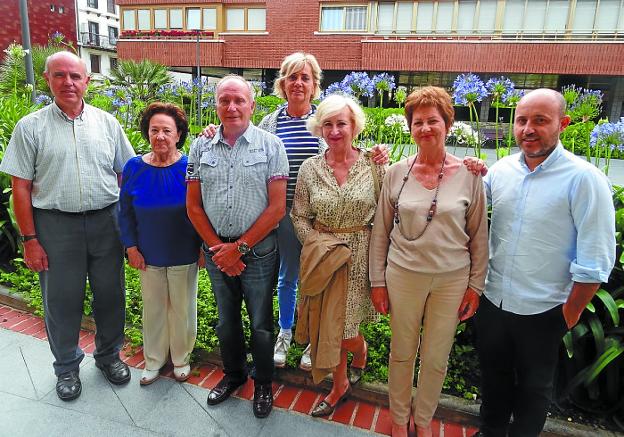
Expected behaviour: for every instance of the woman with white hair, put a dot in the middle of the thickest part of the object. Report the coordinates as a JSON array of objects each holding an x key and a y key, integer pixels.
[
  {"x": 336, "y": 193},
  {"x": 298, "y": 82}
]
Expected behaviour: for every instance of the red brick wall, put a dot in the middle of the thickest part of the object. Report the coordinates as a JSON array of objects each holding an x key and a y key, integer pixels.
[
  {"x": 293, "y": 25},
  {"x": 173, "y": 53},
  {"x": 43, "y": 22},
  {"x": 491, "y": 57}
]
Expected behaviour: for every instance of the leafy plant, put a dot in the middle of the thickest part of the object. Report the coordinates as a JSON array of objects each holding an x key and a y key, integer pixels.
[{"x": 592, "y": 371}]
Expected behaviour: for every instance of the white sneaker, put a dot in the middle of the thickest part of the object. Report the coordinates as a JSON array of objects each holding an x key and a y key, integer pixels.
[
  {"x": 281, "y": 350},
  {"x": 306, "y": 360}
]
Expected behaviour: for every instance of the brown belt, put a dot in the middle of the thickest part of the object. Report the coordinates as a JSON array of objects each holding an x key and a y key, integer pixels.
[{"x": 324, "y": 228}]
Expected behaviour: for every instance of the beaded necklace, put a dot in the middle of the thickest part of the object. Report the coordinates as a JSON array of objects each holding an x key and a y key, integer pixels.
[{"x": 434, "y": 201}]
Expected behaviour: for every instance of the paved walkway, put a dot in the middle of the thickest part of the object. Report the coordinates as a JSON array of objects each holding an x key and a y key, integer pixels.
[{"x": 29, "y": 405}]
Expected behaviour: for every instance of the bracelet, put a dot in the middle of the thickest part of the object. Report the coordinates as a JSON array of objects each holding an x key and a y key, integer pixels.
[{"x": 25, "y": 238}]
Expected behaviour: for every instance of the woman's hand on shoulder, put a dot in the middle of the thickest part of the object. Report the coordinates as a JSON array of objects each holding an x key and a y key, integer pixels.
[
  {"x": 209, "y": 131},
  {"x": 469, "y": 305},
  {"x": 475, "y": 165},
  {"x": 135, "y": 258},
  {"x": 381, "y": 302},
  {"x": 380, "y": 153}
]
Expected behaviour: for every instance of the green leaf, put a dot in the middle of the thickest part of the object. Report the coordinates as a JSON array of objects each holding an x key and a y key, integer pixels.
[
  {"x": 595, "y": 325},
  {"x": 569, "y": 345},
  {"x": 607, "y": 357},
  {"x": 590, "y": 307},
  {"x": 610, "y": 304}
]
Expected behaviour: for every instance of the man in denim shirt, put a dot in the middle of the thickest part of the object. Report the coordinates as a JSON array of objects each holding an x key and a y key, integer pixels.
[
  {"x": 552, "y": 242},
  {"x": 236, "y": 197}
]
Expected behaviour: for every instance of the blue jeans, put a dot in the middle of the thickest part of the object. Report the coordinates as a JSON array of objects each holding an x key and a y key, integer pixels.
[
  {"x": 255, "y": 287},
  {"x": 289, "y": 254}
]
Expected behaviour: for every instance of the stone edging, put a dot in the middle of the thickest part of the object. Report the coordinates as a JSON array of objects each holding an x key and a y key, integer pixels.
[{"x": 450, "y": 408}]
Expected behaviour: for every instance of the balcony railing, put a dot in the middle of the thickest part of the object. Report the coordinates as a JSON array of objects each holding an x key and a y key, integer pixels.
[
  {"x": 98, "y": 41},
  {"x": 166, "y": 34}
]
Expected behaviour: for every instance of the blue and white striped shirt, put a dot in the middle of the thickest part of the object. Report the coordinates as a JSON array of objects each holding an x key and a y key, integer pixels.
[{"x": 299, "y": 143}]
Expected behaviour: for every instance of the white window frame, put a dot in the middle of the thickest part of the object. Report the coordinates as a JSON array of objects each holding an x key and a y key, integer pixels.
[{"x": 344, "y": 17}]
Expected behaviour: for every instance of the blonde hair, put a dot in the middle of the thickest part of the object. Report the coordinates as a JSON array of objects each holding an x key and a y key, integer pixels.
[
  {"x": 294, "y": 63},
  {"x": 332, "y": 105}
]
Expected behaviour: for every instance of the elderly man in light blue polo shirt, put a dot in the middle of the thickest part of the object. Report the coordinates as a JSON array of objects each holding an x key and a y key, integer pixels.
[
  {"x": 236, "y": 197},
  {"x": 552, "y": 242},
  {"x": 64, "y": 161}
]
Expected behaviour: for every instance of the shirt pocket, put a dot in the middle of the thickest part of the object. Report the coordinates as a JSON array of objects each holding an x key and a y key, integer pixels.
[
  {"x": 255, "y": 169},
  {"x": 207, "y": 166}
]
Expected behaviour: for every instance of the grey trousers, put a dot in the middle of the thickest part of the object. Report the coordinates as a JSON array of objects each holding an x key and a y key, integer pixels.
[{"x": 81, "y": 246}]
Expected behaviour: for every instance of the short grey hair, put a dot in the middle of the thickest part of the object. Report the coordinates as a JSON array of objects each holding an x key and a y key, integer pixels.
[
  {"x": 294, "y": 63},
  {"x": 63, "y": 54},
  {"x": 332, "y": 105},
  {"x": 238, "y": 78}
]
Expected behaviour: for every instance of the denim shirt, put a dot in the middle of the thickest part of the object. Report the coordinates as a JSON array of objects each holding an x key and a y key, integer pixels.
[
  {"x": 234, "y": 179},
  {"x": 550, "y": 227}
]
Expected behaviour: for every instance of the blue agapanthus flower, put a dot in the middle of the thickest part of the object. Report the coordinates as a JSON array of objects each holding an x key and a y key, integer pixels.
[
  {"x": 499, "y": 86},
  {"x": 512, "y": 97},
  {"x": 468, "y": 89},
  {"x": 609, "y": 135},
  {"x": 336, "y": 88},
  {"x": 43, "y": 99},
  {"x": 383, "y": 82},
  {"x": 360, "y": 84}
]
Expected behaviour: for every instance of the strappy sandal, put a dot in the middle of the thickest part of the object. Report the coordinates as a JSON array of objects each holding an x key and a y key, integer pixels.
[{"x": 324, "y": 408}]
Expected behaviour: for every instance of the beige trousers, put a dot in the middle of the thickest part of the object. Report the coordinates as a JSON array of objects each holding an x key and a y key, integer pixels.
[
  {"x": 430, "y": 301},
  {"x": 169, "y": 314}
]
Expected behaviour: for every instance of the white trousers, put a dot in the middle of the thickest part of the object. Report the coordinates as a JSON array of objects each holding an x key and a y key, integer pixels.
[{"x": 169, "y": 314}]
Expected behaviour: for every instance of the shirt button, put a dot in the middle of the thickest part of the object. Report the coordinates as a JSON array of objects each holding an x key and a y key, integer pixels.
[
  {"x": 231, "y": 166},
  {"x": 230, "y": 186}
]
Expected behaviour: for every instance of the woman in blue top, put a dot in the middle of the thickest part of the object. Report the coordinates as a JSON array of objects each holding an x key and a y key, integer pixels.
[{"x": 161, "y": 241}]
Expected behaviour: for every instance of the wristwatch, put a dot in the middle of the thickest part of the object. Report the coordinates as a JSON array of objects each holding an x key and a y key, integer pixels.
[
  {"x": 243, "y": 247},
  {"x": 24, "y": 238}
]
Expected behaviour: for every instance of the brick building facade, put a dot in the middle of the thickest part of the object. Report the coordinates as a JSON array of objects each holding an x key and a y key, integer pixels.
[
  {"x": 419, "y": 41},
  {"x": 45, "y": 18}
]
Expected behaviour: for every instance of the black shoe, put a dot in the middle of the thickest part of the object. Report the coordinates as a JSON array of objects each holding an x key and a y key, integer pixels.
[
  {"x": 116, "y": 372},
  {"x": 68, "y": 386},
  {"x": 263, "y": 400},
  {"x": 223, "y": 390}
]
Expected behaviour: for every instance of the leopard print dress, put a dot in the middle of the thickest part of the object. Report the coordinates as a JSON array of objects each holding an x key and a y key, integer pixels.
[{"x": 318, "y": 197}]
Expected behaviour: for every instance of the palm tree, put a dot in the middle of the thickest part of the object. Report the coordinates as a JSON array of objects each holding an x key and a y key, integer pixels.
[{"x": 143, "y": 79}]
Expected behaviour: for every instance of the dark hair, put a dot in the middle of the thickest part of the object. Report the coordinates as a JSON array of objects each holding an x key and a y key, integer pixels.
[
  {"x": 173, "y": 111},
  {"x": 430, "y": 96}
]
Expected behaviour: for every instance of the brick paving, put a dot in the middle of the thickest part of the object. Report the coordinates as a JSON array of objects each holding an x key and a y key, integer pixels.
[{"x": 353, "y": 413}]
